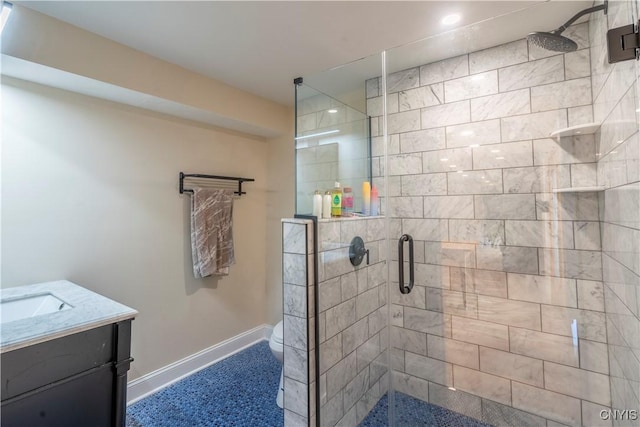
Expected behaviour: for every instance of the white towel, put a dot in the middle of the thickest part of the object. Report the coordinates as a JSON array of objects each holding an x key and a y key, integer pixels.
[{"x": 212, "y": 231}]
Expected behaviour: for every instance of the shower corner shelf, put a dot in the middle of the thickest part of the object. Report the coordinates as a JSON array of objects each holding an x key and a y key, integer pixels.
[
  {"x": 584, "y": 129},
  {"x": 578, "y": 189}
]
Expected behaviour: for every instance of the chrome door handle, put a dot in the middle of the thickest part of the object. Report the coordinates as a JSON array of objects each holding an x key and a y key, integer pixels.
[{"x": 405, "y": 289}]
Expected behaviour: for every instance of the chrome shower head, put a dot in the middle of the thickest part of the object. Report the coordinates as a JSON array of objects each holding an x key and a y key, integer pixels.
[{"x": 552, "y": 41}]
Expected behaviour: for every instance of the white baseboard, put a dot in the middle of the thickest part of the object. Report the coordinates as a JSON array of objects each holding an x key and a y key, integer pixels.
[{"x": 163, "y": 377}]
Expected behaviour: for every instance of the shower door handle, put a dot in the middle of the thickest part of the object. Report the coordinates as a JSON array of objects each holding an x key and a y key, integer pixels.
[{"x": 405, "y": 289}]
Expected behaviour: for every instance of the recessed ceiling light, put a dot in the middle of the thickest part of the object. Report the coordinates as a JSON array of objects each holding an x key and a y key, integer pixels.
[
  {"x": 332, "y": 111},
  {"x": 454, "y": 18}
]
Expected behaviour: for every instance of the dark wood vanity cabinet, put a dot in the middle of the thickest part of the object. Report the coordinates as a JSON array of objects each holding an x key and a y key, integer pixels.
[{"x": 75, "y": 380}]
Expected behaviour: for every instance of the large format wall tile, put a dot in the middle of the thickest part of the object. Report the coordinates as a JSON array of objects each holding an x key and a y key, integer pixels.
[
  {"x": 542, "y": 234},
  {"x": 421, "y": 97},
  {"x": 539, "y": 179},
  {"x": 501, "y": 105},
  {"x": 444, "y": 70},
  {"x": 505, "y": 206},
  {"x": 471, "y": 86},
  {"x": 471, "y": 134},
  {"x": 481, "y": 384},
  {"x": 483, "y": 282},
  {"x": 512, "y": 313},
  {"x": 445, "y": 160},
  {"x": 546, "y": 403},
  {"x": 544, "y": 346},
  {"x": 578, "y": 383},
  {"x": 572, "y": 93},
  {"x": 475, "y": 182},
  {"x": 533, "y": 126},
  {"x": 543, "y": 289},
  {"x": 588, "y": 324},
  {"x": 532, "y": 73},
  {"x": 511, "y": 259},
  {"x": 480, "y": 332},
  {"x": 445, "y": 115},
  {"x": 499, "y": 56},
  {"x": 509, "y": 155},
  {"x": 456, "y": 352},
  {"x": 513, "y": 366},
  {"x": 403, "y": 80},
  {"x": 422, "y": 140}
]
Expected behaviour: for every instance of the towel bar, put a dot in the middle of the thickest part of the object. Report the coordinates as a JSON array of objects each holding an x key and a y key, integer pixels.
[{"x": 214, "y": 177}]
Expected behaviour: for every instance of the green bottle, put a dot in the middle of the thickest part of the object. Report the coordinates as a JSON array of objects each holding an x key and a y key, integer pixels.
[{"x": 336, "y": 201}]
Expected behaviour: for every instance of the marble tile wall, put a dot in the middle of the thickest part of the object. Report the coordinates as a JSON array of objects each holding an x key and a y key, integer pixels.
[
  {"x": 615, "y": 106},
  {"x": 298, "y": 313},
  {"x": 507, "y": 320},
  {"x": 352, "y": 317}
]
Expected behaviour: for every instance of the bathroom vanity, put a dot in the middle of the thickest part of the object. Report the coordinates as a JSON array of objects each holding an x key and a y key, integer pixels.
[{"x": 65, "y": 353}]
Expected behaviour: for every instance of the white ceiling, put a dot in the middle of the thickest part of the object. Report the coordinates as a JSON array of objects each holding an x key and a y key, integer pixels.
[{"x": 261, "y": 46}]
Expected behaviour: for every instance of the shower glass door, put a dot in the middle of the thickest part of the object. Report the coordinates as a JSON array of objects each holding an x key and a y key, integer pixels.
[
  {"x": 514, "y": 170},
  {"x": 509, "y": 182}
]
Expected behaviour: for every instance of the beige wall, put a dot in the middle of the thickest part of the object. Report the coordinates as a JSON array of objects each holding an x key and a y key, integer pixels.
[
  {"x": 42, "y": 40},
  {"x": 280, "y": 204},
  {"x": 90, "y": 194}
]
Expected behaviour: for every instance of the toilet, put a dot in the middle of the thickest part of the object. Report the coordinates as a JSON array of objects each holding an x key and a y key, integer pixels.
[{"x": 276, "y": 346}]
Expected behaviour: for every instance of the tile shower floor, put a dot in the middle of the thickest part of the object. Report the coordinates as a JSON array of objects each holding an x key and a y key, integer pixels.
[
  {"x": 412, "y": 412},
  {"x": 237, "y": 391},
  {"x": 241, "y": 389}
]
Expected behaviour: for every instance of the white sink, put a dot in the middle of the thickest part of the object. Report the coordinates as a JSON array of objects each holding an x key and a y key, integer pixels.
[{"x": 30, "y": 306}]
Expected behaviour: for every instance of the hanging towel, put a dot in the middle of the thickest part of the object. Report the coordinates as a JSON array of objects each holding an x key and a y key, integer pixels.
[{"x": 211, "y": 231}]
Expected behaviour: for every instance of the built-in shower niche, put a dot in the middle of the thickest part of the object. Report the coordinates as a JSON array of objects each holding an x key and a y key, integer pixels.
[{"x": 332, "y": 145}]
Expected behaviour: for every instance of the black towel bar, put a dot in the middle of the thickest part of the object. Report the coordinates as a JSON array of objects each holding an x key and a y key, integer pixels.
[{"x": 218, "y": 177}]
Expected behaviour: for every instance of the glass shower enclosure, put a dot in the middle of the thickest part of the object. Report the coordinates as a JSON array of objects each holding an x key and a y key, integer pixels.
[
  {"x": 502, "y": 278},
  {"x": 332, "y": 145}
]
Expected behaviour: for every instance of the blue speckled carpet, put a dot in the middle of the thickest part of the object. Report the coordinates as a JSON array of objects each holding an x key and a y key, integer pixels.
[
  {"x": 412, "y": 412},
  {"x": 237, "y": 391}
]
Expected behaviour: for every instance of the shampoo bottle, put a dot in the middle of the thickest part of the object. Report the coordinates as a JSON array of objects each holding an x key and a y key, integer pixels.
[
  {"x": 317, "y": 204},
  {"x": 326, "y": 205}
]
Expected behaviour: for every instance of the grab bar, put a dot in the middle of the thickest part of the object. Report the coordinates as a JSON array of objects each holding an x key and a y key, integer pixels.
[{"x": 404, "y": 289}]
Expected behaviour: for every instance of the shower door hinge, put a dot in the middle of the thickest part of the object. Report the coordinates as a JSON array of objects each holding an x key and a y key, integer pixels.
[{"x": 623, "y": 43}]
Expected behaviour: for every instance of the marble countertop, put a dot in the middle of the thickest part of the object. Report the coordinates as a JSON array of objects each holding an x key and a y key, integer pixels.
[{"x": 90, "y": 310}]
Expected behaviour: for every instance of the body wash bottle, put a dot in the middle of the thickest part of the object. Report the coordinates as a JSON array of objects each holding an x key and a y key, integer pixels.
[
  {"x": 366, "y": 198},
  {"x": 375, "y": 202},
  {"x": 336, "y": 201}
]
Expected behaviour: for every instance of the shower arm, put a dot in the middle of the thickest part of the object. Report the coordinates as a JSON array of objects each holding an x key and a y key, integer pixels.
[{"x": 580, "y": 14}]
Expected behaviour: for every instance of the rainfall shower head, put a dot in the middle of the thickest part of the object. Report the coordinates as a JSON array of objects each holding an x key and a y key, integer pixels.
[{"x": 554, "y": 40}]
